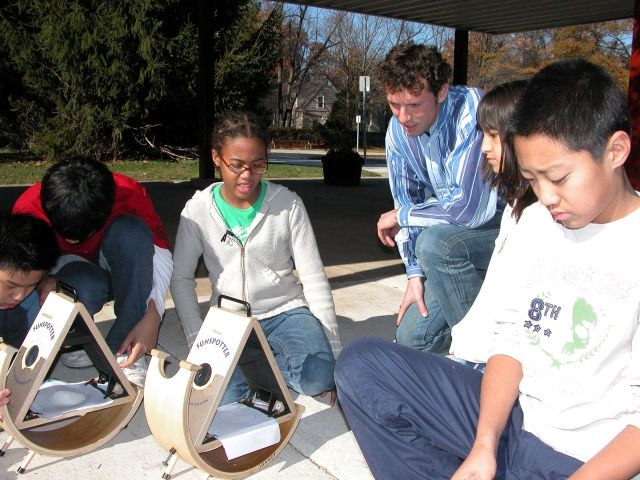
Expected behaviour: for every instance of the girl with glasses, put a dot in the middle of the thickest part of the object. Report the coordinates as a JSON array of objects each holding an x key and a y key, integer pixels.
[{"x": 251, "y": 234}]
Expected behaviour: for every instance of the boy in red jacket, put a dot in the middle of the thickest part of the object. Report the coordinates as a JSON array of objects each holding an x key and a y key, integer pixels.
[{"x": 114, "y": 247}]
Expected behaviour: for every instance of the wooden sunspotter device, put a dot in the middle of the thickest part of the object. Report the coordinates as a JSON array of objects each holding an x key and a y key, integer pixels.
[
  {"x": 63, "y": 424},
  {"x": 180, "y": 409}
]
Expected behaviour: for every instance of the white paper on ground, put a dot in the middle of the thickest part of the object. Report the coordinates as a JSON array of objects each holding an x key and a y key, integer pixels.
[
  {"x": 55, "y": 398},
  {"x": 243, "y": 429}
]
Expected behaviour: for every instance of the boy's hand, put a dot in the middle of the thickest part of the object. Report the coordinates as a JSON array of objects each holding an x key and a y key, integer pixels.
[
  {"x": 480, "y": 464},
  {"x": 4, "y": 398},
  {"x": 45, "y": 287},
  {"x": 333, "y": 395},
  {"x": 142, "y": 338},
  {"x": 413, "y": 293}
]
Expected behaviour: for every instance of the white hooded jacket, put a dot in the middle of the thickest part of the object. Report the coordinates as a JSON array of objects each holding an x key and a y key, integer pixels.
[{"x": 260, "y": 272}]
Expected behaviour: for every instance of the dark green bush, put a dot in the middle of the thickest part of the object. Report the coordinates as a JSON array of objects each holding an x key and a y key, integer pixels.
[{"x": 284, "y": 133}]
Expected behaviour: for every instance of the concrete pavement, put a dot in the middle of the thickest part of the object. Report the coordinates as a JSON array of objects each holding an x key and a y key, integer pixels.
[{"x": 367, "y": 282}]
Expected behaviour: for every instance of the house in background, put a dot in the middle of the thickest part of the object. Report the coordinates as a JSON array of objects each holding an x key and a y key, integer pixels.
[
  {"x": 313, "y": 107},
  {"x": 314, "y": 103}
]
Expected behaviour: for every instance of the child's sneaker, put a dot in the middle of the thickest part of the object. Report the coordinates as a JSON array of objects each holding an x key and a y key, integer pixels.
[
  {"x": 77, "y": 359},
  {"x": 136, "y": 372}
]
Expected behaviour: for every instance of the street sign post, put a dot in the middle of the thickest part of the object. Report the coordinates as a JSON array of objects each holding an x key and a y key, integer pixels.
[{"x": 365, "y": 82}]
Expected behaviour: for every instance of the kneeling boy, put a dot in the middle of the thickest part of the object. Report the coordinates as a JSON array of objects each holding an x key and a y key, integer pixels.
[
  {"x": 27, "y": 251},
  {"x": 114, "y": 246}
]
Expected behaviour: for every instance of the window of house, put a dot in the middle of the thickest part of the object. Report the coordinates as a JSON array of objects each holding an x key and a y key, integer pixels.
[{"x": 320, "y": 101}]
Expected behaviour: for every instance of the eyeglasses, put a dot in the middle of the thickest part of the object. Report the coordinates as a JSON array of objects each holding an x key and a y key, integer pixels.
[{"x": 257, "y": 168}]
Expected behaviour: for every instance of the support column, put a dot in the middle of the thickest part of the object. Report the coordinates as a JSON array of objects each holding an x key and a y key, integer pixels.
[
  {"x": 206, "y": 104},
  {"x": 633, "y": 162},
  {"x": 461, "y": 57}
]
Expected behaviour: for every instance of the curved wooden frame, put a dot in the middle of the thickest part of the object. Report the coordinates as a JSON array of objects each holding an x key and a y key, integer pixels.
[
  {"x": 73, "y": 433},
  {"x": 179, "y": 420}
]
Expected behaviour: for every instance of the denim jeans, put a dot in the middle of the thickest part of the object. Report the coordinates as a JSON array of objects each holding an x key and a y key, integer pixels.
[
  {"x": 455, "y": 261},
  {"x": 474, "y": 365},
  {"x": 124, "y": 274},
  {"x": 415, "y": 414},
  {"x": 301, "y": 350}
]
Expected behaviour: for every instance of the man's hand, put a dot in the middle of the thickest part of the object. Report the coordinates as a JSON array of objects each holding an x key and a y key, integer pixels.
[
  {"x": 413, "y": 293},
  {"x": 142, "y": 338},
  {"x": 45, "y": 287},
  {"x": 388, "y": 228},
  {"x": 480, "y": 464}
]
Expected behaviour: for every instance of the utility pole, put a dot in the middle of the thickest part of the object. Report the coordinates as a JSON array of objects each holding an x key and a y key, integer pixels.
[
  {"x": 206, "y": 95},
  {"x": 365, "y": 82}
]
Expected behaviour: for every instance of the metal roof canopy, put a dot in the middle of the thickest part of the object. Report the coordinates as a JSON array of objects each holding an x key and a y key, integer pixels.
[{"x": 489, "y": 16}]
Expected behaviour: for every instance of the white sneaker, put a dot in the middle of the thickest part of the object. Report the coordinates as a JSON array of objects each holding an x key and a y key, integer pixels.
[
  {"x": 77, "y": 359},
  {"x": 136, "y": 372}
]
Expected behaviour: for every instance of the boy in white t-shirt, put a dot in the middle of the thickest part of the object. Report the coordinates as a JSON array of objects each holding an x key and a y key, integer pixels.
[{"x": 560, "y": 395}]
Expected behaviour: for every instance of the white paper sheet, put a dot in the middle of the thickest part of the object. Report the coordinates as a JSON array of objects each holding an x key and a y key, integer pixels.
[
  {"x": 243, "y": 429},
  {"x": 55, "y": 398}
]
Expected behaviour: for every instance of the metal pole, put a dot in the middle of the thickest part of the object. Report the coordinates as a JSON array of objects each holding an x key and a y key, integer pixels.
[
  {"x": 460, "y": 57},
  {"x": 632, "y": 165},
  {"x": 364, "y": 122},
  {"x": 206, "y": 103},
  {"x": 364, "y": 86}
]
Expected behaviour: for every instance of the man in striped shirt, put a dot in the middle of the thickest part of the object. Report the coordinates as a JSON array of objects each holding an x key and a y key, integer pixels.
[{"x": 446, "y": 214}]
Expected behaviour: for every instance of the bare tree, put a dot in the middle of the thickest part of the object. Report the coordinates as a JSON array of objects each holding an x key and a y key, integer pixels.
[
  {"x": 435, "y": 35},
  {"x": 305, "y": 40},
  {"x": 361, "y": 41}
]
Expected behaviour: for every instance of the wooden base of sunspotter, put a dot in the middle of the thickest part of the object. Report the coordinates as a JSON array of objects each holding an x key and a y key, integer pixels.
[
  {"x": 180, "y": 408},
  {"x": 63, "y": 325}
]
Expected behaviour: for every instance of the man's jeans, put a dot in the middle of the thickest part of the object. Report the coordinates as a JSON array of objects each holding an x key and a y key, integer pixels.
[
  {"x": 455, "y": 261},
  {"x": 124, "y": 274},
  {"x": 301, "y": 350}
]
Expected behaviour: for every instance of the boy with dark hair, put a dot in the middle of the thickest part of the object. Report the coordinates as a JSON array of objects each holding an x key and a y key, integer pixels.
[
  {"x": 446, "y": 215},
  {"x": 114, "y": 246},
  {"x": 560, "y": 396},
  {"x": 77, "y": 197},
  {"x": 27, "y": 251}
]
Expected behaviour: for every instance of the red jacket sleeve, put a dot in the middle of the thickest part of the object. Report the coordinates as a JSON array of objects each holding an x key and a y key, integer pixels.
[{"x": 133, "y": 198}]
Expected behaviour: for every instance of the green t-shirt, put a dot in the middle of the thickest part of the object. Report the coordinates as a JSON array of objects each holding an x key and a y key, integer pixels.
[{"x": 238, "y": 219}]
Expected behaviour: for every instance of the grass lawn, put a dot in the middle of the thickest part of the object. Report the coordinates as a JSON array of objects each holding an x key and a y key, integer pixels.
[{"x": 16, "y": 172}]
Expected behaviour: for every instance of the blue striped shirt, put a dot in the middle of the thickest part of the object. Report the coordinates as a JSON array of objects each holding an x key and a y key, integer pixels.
[{"x": 437, "y": 177}]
